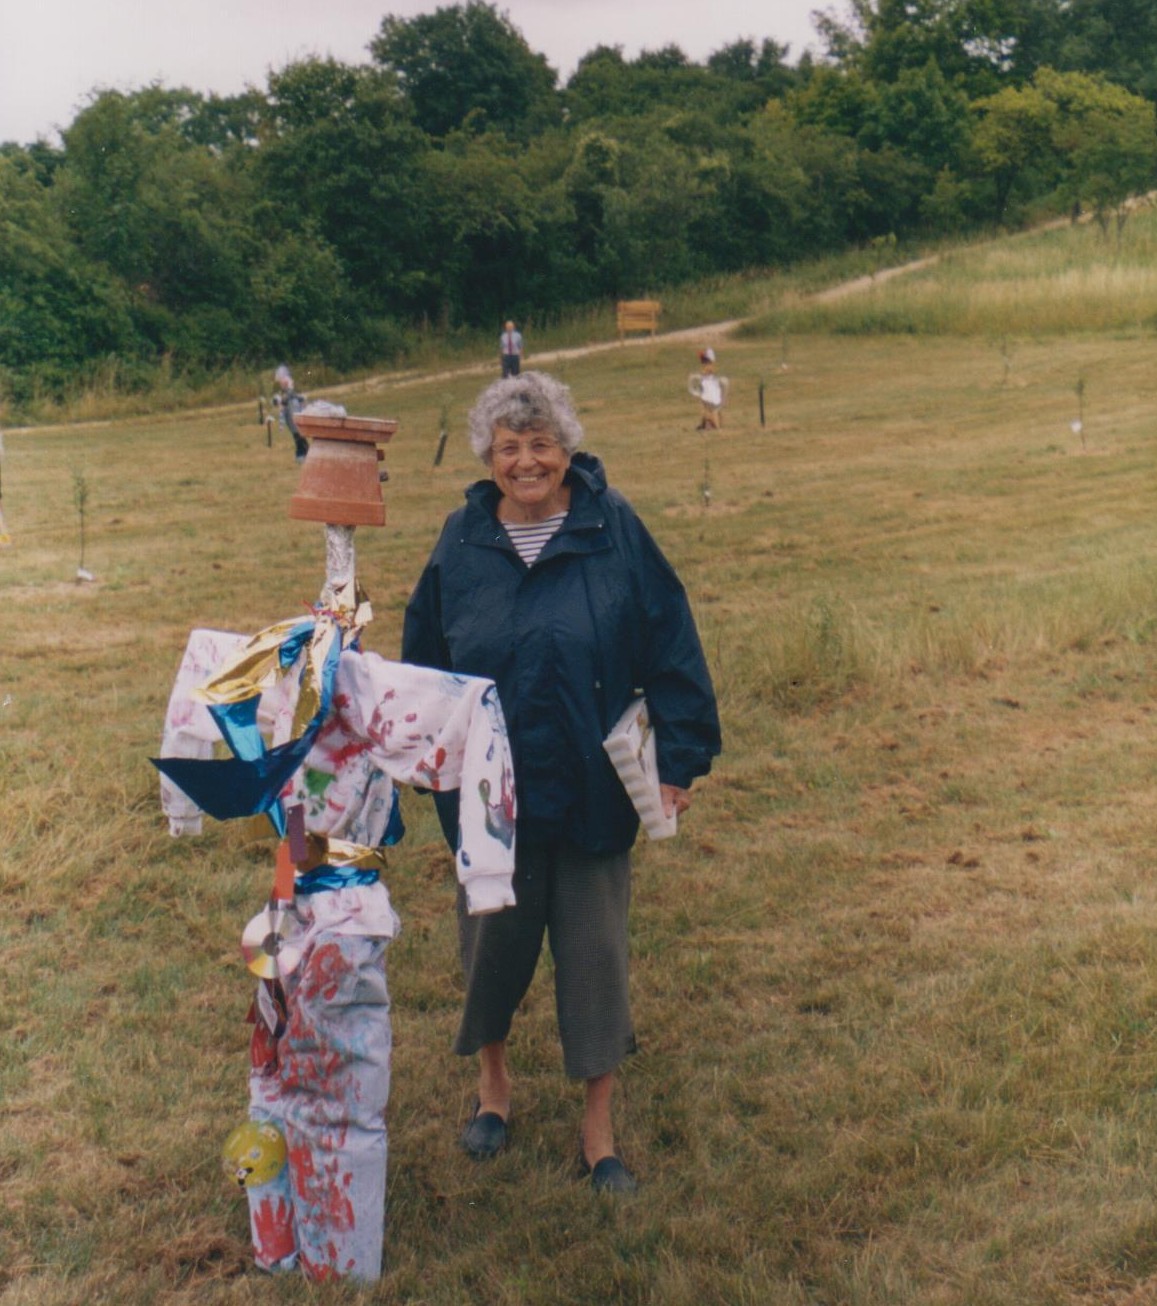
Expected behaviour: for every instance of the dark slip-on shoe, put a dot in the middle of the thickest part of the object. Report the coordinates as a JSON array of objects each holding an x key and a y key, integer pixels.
[
  {"x": 610, "y": 1175},
  {"x": 486, "y": 1135}
]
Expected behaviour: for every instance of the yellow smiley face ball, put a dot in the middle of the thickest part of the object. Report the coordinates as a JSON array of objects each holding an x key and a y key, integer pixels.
[{"x": 254, "y": 1153}]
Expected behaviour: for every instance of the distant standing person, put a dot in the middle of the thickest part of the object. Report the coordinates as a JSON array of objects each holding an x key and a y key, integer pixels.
[{"x": 510, "y": 350}]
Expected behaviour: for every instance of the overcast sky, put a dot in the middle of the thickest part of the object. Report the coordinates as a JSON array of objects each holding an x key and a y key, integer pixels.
[{"x": 53, "y": 53}]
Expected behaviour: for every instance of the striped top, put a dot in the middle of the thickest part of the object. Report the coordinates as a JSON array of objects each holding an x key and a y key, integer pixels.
[{"x": 530, "y": 540}]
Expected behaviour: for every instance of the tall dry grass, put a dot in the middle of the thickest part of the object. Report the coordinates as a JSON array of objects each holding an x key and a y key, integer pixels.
[
  {"x": 894, "y": 982},
  {"x": 1059, "y": 280}
]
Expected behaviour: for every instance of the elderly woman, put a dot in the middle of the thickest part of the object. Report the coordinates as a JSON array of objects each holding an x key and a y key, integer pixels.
[{"x": 548, "y": 583}]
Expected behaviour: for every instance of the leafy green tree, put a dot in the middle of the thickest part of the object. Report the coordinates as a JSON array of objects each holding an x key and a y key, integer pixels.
[
  {"x": 661, "y": 224},
  {"x": 1107, "y": 138},
  {"x": 606, "y": 87},
  {"x": 301, "y": 298},
  {"x": 478, "y": 218},
  {"x": 467, "y": 66},
  {"x": 840, "y": 100},
  {"x": 951, "y": 205},
  {"x": 157, "y": 210},
  {"x": 764, "y": 71},
  {"x": 1009, "y": 39},
  {"x": 342, "y": 159},
  {"x": 737, "y": 81},
  {"x": 906, "y": 132},
  {"x": 598, "y": 88},
  {"x": 665, "y": 59},
  {"x": 226, "y": 123},
  {"x": 622, "y": 210},
  {"x": 552, "y": 273},
  {"x": 58, "y": 312},
  {"x": 1013, "y": 137},
  {"x": 882, "y": 38},
  {"x": 1114, "y": 38},
  {"x": 924, "y": 117},
  {"x": 977, "y": 44},
  {"x": 986, "y": 44},
  {"x": 40, "y": 159},
  {"x": 592, "y": 177},
  {"x": 108, "y": 156},
  {"x": 1088, "y": 140},
  {"x": 797, "y": 192}
]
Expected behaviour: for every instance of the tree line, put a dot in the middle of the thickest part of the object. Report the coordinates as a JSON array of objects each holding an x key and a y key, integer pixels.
[{"x": 451, "y": 181}]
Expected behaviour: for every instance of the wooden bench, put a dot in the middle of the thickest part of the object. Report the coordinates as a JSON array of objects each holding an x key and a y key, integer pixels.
[{"x": 638, "y": 315}]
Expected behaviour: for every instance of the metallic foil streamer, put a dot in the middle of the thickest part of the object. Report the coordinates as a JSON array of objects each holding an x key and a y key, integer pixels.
[{"x": 256, "y": 667}]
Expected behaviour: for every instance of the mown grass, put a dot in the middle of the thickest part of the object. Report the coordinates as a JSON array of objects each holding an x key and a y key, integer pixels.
[{"x": 895, "y": 981}]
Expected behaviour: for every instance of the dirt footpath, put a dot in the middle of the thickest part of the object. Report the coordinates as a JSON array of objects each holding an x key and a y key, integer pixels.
[{"x": 712, "y": 332}]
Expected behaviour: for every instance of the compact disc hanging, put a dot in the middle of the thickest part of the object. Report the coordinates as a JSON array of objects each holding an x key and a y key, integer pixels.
[{"x": 271, "y": 943}]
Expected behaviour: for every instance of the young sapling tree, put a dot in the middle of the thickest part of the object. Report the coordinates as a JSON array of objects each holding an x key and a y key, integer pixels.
[
  {"x": 80, "y": 498},
  {"x": 1078, "y": 426}
]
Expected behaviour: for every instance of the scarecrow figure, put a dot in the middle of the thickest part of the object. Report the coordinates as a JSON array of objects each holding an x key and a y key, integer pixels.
[
  {"x": 344, "y": 727},
  {"x": 289, "y": 402},
  {"x": 710, "y": 390}
]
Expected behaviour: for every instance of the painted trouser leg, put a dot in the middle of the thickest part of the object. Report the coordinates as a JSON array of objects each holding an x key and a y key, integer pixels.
[
  {"x": 271, "y": 1223},
  {"x": 328, "y": 1091},
  {"x": 271, "y": 1220}
]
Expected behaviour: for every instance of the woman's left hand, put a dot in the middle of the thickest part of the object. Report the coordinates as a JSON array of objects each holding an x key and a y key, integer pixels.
[{"x": 675, "y": 800}]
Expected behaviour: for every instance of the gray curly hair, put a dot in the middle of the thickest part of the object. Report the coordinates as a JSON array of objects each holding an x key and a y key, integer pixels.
[{"x": 532, "y": 401}]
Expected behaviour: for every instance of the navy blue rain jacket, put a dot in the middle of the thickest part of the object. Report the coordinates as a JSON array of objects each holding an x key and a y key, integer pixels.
[{"x": 570, "y": 641}]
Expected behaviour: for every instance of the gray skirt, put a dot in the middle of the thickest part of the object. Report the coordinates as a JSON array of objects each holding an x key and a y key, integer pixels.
[{"x": 580, "y": 901}]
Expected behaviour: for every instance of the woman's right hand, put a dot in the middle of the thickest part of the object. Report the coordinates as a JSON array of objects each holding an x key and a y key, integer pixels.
[{"x": 675, "y": 800}]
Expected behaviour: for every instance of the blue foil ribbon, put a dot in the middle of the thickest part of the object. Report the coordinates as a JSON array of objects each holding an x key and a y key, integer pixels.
[
  {"x": 322, "y": 878},
  {"x": 250, "y": 781}
]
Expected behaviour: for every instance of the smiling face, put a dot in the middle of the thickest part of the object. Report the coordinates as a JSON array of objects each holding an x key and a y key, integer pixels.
[{"x": 529, "y": 467}]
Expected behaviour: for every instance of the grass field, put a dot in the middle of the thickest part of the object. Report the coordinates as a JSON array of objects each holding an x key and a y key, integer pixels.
[{"x": 896, "y": 981}]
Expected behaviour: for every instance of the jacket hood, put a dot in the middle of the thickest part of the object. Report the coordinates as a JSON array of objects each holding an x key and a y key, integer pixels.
[{"x": 588, "y": 468}]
